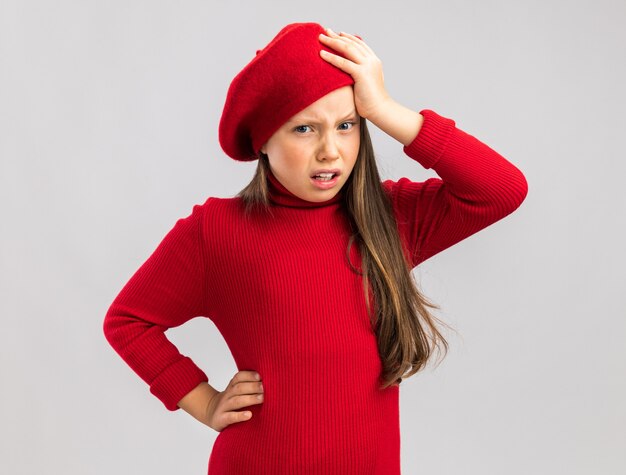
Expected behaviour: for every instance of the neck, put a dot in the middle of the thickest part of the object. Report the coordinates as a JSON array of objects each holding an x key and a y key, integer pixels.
[{"x": 281, "y": 196}]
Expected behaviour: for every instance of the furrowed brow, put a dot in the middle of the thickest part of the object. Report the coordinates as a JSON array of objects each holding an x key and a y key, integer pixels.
[{"x": 315, "y": 121}]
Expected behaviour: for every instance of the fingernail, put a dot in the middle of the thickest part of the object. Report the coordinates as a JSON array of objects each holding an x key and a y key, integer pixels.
[{"x": 257, "y": 376}]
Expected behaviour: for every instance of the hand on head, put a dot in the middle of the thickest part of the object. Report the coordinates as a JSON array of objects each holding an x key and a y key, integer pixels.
[{"x": 363, "y": 65}]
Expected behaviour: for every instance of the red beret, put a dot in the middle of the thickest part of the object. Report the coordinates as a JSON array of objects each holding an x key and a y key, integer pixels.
[{"x": 283, "y": 78}]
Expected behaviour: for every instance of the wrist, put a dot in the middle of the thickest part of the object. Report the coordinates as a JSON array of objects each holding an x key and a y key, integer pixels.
[
  {"x": 384, "y": 107},
  {"x": 397, "y": 121},
  {"x": 197, "y": 402}
]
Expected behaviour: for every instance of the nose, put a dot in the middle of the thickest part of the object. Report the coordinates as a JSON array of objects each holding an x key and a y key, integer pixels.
[{"x": 328, "y": 149}]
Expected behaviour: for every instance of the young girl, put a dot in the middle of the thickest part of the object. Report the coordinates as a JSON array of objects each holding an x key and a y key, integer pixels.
[{"x": 307, "y": 272}]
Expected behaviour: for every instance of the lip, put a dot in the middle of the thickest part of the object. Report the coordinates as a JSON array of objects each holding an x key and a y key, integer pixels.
[
  {"x": 325, "y": 185},
  {"x": 336, "y": 171}
]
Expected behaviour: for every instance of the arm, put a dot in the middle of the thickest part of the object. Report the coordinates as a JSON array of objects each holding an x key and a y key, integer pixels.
[
  {"x": 370, "y": 96},
  {"x": 165, "y": 292},
  {"x": 477, "y": 187},
  {"x": 397, "y": 121},
  {"x": 196, "y": 402}
]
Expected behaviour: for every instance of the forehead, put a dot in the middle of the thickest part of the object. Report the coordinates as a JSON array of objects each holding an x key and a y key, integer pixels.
[{"x": 337, "y": 103}]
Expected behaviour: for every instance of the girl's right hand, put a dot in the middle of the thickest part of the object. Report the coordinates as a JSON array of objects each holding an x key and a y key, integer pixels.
[{"x": 243, "y": 390}]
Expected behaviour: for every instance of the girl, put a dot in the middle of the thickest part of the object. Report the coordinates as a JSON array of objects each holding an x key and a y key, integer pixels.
[{"x": 307, "y": 272}]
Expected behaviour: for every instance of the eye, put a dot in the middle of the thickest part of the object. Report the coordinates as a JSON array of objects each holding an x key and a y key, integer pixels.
[
  {"x": 301, "y": 129},
  {"x": 346, "y": 126}
]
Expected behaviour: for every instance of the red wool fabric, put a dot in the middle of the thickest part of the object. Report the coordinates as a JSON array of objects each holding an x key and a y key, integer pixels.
[
  {"x": 282, "y": 79},
  {"x": 281, "y": 292}
]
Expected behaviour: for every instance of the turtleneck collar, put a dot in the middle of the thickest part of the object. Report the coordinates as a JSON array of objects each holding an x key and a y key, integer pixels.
[{"x": 281, "y": 196}]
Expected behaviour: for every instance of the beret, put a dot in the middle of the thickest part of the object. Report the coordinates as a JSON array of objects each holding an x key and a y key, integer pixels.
[{"x": 283, "y": 78}]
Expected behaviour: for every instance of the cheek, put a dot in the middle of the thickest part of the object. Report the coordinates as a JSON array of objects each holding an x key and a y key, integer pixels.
[
  {"x": 284, "y": 158},
  {"x": 354, "y": 148},
  {"x": 354, "y": 157}
]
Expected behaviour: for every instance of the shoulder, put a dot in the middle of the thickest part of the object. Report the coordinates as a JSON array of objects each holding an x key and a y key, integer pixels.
[
  {"x": 212, "y": 213},
  {"x": 212, "y": 205},
  {"x": 217, "y": 214}
]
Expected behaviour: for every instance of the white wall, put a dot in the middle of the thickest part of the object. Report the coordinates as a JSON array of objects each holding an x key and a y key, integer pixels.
[{"x": 108, "y": 134}]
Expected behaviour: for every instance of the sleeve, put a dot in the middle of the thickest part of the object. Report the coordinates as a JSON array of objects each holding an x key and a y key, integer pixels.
[
  {"x": 476, "y": 187},
  {"x": 166, "y": 291}
]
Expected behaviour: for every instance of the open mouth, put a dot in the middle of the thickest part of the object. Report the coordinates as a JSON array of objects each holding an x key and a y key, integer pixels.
[{"x": 324, "y": 176}]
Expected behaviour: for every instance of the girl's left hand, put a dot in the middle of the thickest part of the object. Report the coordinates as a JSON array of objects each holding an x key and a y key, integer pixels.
[{"x": 363, "y": 65}]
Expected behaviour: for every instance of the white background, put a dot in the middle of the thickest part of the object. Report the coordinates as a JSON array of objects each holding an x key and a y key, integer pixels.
[{"x": 108, "y": 135}]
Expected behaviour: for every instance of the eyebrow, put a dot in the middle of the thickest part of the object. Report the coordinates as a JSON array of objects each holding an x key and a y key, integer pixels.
[{"x": 314, "y": 120}]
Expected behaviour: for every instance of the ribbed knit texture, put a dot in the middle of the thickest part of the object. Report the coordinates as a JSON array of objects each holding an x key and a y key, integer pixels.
[{"x": 281, "y": 292}]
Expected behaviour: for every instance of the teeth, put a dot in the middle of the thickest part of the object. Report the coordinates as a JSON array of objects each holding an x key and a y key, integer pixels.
[{"x": 324, "y": 176}]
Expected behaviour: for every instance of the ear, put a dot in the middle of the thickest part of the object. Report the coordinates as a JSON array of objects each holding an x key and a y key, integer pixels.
[{"x": 264, "y": 148}]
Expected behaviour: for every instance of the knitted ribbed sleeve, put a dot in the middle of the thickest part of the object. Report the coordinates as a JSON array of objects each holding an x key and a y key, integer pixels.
[
  {"x": 165, "y": 292},
  {"x": 476, "y": 187}
]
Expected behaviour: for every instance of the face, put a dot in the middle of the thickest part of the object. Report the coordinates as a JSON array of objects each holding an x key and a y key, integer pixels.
[{"x": 314, "y": 152}]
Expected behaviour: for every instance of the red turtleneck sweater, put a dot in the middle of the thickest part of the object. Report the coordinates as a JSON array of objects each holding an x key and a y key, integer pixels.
[{"x": 279, "y": 289}]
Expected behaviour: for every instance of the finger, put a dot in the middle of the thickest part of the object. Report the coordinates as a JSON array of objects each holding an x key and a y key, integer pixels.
[
  {"x": 229, "y": 418},
  {"x": 346, "y": 47},
  {"x": 234, "y": 417},
  {"x": 238, "y": 385},
  {"x": 238, "y": 402},
  {"x": 249, "y": 400},
  {"x": 348, "y": 37},
  {"x": 245, "y": 375},
  {"x": 343, "y": 36},
  {"x": 244, "y": 400},
  {"x": 342, "y": 63},
  {"x": 247, "y": 387},
  {"x": 357, "y": 40},
  {"x": 343, "y": 44}
]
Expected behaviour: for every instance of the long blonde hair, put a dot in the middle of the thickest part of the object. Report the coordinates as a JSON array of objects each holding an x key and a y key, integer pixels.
[{"x": 406, "y": 330}]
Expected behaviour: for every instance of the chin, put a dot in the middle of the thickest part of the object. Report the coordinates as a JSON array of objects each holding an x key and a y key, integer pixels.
[
  {"x": 321, "y": 197},
  {"x": 326, "y": 198}
]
